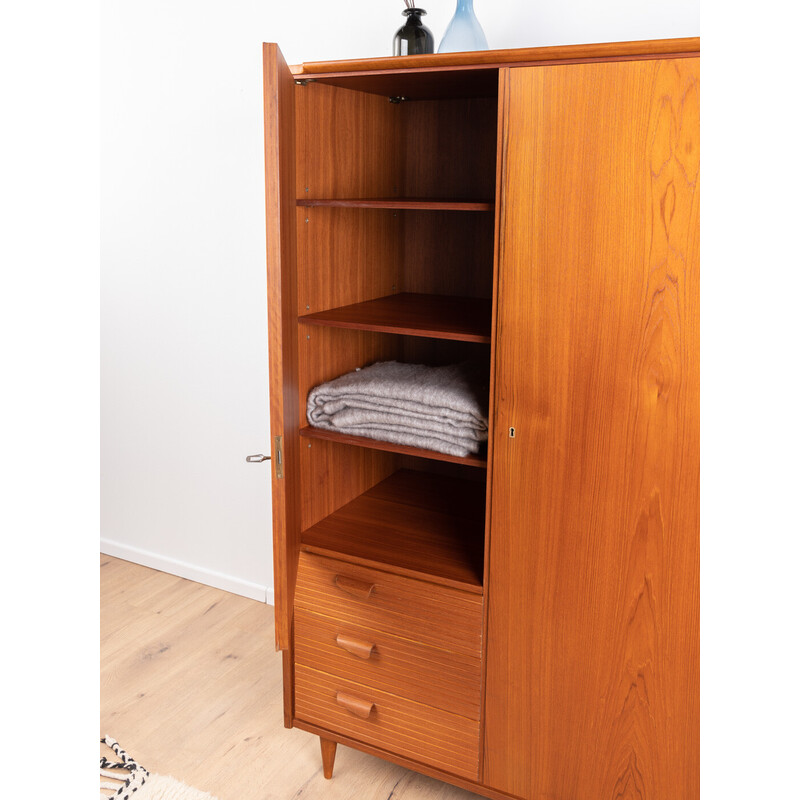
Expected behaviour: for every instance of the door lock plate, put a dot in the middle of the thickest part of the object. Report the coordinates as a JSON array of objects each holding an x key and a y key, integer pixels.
[{"x": 279, "y": 457}]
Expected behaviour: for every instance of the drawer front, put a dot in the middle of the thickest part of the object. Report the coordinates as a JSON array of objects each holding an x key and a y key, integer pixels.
[
  {"x": 424, "y": 612},
  {"x": 425, "y": 674},
  {"x": 396, "y": 724}
]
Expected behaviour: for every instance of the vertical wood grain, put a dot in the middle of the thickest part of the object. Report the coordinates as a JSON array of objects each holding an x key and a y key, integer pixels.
[
  {"x": 447, "y": 252},
  {"x": 348, "y": 144},
  {"x": 592, "y": 686},
  {"x": 497, "y": 251},
  {"x": 449, "y": 147},
  {"x": 279, "y": 157},
  {"x": 347, "y": 255}
]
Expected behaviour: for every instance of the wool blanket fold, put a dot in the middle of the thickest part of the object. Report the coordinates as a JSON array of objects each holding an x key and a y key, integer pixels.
[{"x": 434, "y": 408}]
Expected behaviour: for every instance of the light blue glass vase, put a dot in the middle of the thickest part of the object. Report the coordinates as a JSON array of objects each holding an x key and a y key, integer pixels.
[{"x": 464, "y": 31}]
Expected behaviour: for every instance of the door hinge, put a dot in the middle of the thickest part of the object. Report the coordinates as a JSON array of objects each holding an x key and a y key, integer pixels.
[{"x": 279, "y": 457}]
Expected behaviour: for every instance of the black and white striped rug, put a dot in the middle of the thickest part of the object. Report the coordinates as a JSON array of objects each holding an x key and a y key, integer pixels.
[{"x": 122, "y": 778}]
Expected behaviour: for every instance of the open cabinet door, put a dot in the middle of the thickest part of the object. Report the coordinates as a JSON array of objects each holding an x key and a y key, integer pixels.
[{"x": 279, "y": 162}]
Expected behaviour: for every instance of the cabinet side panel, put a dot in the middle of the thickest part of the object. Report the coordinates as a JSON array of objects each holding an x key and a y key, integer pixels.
[
  {"x": 349, "y": 144},
  {"x": 593, "y": 637},
  {"x": 279, "y": 158}
]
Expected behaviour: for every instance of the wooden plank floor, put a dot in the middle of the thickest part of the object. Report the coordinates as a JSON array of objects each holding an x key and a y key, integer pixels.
[{"x": 191, "y": 687}]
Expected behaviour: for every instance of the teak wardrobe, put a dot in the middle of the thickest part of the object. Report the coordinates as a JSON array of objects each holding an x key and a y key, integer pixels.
[{"x": 523, "y": 622}]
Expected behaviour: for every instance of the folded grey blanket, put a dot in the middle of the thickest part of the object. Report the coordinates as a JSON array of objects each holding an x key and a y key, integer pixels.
[{"x": 435, "y": 408}]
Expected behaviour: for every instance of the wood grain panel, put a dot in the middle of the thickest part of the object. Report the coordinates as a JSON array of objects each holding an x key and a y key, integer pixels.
[
  {"x": 347, "y": 255},
  {"x": 436, "y": 737},
  {"x": 592, "y": 672},
  {"x": 348, "y": 144},
  {"x": 436, "y": 352},
  {"x": 447, "y": 253},
  {"x": 418, "y": 610},
  {"x": 357, "y": 469},
  {"x": 500, "y": 177},
  {"x": 425, "y": 674},
  {"x": 449, "y": 148},
  {"x": 279, "y": 158}
]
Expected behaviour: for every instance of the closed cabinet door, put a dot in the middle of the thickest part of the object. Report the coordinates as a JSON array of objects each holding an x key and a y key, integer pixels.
[{"x": 592, "y": 684}]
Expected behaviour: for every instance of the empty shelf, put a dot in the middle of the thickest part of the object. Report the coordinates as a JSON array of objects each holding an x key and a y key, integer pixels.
[
  {"x": 464, "y": 319},
  {"x": 416, "y": 523}
]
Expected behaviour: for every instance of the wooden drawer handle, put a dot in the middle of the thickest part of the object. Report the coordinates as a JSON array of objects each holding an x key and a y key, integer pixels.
[
  {"x": 360, "y": 589},
  {"x": 355, "y": 646},
  {"x": 361, "y": 708}
]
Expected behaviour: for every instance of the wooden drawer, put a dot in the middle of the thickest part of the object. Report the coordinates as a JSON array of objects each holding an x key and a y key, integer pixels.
[
  {"x": 425, "y": 674},
  {"x": 424, "y": 612},
  {"x": 396, "y": 724}
]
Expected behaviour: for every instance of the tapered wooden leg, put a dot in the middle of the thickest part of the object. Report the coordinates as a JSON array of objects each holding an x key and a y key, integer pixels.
[{"x": 328, "y": 756}]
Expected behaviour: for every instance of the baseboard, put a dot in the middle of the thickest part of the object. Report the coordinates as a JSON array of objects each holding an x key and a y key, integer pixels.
[{"x": 219, "y": 580}]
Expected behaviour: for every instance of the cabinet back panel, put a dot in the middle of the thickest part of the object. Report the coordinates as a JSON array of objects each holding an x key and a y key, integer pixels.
[
  {"x": 592, "y": 687},
  {"x": 448, "y": 252},
  {"x": 449, "y": 148},
  {"x": 437, "y": 352}
]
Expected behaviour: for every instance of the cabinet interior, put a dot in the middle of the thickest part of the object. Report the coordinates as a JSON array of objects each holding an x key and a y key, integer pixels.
[{"x": 395, "y": 248}]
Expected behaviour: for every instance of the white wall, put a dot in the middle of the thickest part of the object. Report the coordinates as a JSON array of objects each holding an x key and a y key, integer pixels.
[{"x": 183, "y": 332}]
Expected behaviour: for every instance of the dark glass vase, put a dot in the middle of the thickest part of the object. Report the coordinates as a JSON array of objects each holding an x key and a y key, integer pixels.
[{"x": 413, "y": 38}]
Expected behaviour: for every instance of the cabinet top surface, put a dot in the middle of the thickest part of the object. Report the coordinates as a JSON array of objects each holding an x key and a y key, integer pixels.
[{"x": 488, "y": 59}]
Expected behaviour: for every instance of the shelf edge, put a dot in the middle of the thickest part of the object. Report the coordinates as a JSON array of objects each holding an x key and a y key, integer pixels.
[{"x": 375, "y": 444}]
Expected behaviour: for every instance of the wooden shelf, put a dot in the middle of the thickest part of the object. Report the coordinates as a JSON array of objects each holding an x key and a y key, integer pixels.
[
  {"x": 413, "y": 523},
  {"x": 464, "y": 319},
  {"x": 374, "y": 444},
  {"x": 402, "y": 203}
]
